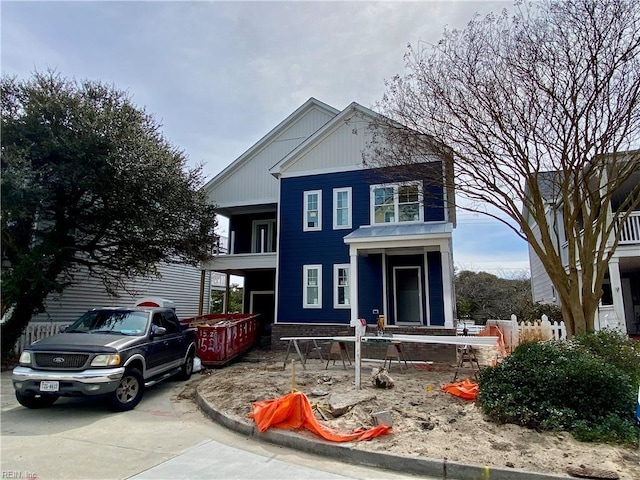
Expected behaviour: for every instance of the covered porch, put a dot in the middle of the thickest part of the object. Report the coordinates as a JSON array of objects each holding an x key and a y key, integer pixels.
[{"x": 415, "y": 268}]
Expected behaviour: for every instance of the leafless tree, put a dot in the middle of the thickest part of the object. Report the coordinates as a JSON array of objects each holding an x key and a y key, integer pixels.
[{"x": 541, "y": 110}]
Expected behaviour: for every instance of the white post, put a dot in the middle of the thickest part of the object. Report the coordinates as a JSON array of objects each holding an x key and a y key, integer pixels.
[
  {"x": 355, "y": 321},
  {"x": 447, "y": 284},
  {"x": 361, "y": 328}
]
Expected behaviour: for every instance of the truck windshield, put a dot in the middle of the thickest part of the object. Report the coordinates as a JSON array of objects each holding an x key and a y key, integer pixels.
[{"x": 117, "y": 321}]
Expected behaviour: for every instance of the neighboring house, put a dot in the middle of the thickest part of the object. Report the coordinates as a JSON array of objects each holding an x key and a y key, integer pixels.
[
  {"x": 320, "y": 240},
  {"x": 620, "y": 303},
  {"x": 179, "y": 283}
]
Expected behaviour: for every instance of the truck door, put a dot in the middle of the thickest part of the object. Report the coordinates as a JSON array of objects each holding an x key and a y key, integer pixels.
[
  {"x": 176, "y": 341},
  {"x": 159, "y": 351}
]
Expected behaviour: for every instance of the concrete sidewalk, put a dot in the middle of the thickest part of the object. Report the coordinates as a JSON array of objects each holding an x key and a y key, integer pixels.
[{"x": 212, "y": 459}]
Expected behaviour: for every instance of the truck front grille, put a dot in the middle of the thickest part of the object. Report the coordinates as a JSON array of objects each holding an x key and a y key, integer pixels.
[{"x": 61, "y": 361}]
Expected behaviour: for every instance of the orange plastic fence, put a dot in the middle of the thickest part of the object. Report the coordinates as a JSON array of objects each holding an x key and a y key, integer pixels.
[
  {"x": 294, "y": 412},
  {"x": 494, "y": 331},
  {"x": 465, "y": 389}
]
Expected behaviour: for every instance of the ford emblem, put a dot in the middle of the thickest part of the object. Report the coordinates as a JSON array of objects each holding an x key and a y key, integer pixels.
[{"x": 58, "y": 360}]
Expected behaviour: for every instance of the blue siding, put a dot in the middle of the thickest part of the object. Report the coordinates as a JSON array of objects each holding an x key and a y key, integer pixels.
[
  {"x": 326, "y": 247},
  {"x": 436, "y": 294},
  {"x": 370, "y": 294},
  {"x": 242, "y": 225}
]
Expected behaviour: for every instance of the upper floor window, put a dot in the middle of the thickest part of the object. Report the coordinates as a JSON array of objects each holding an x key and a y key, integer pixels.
[
  {"x": 341, "y": 286},
  {"x": 312, "y": 294},
  {"x": 312, "y": 210},
  {"x": 342, "y": 208},
  {"x": 396, "y": 203}
]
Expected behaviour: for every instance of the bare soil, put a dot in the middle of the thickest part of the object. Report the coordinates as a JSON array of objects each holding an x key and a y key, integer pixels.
[{"x": 426, "y": 421}]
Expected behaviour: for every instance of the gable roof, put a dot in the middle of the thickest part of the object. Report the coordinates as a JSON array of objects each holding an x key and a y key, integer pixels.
[
  {"x": 246, "y": 183},
  {"x": 269, "y": 137},
  {"x": 331, "y": 126}
]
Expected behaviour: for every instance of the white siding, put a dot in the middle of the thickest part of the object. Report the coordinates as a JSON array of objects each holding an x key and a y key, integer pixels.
[
  {"x": 541, "y": 286},
  {"x": 248, "y": 182},
  {"x": 179, "y": 283},
  {"x": 339, "y": 148}
]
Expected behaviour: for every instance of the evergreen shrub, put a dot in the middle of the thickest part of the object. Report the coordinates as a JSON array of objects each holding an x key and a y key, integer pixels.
[{"x": 554, "y": 386}]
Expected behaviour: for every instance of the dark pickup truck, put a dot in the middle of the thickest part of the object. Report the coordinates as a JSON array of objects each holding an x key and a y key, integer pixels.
[{"x": 113, "y": 352}]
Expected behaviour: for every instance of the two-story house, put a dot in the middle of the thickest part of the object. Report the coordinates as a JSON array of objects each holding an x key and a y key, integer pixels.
[
  {"x": 321, "y": 240},
  {"x": 619, "y": 306}
]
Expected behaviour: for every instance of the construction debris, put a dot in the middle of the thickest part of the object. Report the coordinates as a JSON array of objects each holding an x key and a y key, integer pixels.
[{"x": 380, "y": 378}]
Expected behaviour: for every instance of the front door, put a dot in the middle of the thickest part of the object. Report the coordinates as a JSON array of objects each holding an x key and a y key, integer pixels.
[{"x": 407, "y": 291}]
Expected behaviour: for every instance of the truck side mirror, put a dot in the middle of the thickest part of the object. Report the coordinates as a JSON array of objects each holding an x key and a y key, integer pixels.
[{"x": 158, "y": 331}]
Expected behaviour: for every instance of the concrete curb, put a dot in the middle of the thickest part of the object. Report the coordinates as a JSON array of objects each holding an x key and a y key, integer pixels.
[{"x": 345, "y": 453}]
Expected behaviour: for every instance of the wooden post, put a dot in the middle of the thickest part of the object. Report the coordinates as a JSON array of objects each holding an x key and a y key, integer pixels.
[{"x": 202, "y": 282}]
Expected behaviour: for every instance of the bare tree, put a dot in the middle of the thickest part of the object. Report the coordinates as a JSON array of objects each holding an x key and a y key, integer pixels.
[{"x": 541, "y": 110}]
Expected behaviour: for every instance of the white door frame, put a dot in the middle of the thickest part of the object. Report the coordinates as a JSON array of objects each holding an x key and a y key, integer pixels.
[{"x": 395, "y": 296}]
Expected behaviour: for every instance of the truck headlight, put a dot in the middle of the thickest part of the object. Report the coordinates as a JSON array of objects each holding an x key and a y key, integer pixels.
[
  {"x": 106, "y": 360},
  {"x": 25, "y": 358}
]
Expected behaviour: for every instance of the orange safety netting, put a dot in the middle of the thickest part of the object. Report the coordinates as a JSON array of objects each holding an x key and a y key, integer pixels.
[
  {"x": 494, "y": 331},
  {"x": 293, "y": 411},
  {"x": 465, "y": 389}
]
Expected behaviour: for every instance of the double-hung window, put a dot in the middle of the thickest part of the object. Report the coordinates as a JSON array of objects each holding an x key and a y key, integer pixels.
[
  {"x": 341, "y": 208},
  {"x": 396, "y": 203},
  {"x": 312, "y": 281},
  {"x": 312, "y": 211},
  {"x": 341, "y": 286}
]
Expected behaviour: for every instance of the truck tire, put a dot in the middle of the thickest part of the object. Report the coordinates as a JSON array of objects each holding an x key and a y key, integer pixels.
[
  {"x": 129, "y": 392},
  {"x": 36, "y": 401},
  {"x": 187, "y": 368}
]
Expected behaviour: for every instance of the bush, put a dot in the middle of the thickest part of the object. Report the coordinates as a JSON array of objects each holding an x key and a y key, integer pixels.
[
  {"x": 552, "y": 386},
  {"x": 613, "y": 347}
]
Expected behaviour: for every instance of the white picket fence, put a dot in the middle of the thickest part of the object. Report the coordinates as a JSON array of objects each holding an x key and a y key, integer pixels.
[
  {"x": 36, "y": 331},
  {"x": 514, "y": 331}
]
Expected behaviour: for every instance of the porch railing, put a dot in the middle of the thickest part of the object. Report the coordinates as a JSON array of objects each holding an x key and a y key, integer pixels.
[{"x": 630, "y": 229}]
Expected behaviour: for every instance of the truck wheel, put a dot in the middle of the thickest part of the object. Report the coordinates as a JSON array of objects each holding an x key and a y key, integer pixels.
[
  {"x": 36, "y": 401},
  {"x": 187, "y": 368},
  {"x": 129, "y": 391}
]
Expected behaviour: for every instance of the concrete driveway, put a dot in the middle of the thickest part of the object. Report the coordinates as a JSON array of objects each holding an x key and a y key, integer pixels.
[{"x": 166, "y": 436}]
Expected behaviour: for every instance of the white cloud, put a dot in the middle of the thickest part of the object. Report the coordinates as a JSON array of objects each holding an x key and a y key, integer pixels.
[{"x": 220, "y": 75}]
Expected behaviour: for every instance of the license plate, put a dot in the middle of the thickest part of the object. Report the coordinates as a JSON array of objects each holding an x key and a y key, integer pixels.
[{"x": 49, "y": 386}]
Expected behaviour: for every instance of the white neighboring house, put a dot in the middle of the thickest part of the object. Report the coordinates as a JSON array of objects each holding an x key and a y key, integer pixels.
[
  {"x": 620, "y": 304},
  {"x": 180, "y": 283}
]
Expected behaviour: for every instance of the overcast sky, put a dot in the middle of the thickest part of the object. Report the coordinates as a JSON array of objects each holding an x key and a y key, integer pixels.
[{"x": 220, "y": 75}]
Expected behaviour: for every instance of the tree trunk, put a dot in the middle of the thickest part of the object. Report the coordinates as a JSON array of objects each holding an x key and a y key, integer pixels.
[{"x": 23, "y": 310}]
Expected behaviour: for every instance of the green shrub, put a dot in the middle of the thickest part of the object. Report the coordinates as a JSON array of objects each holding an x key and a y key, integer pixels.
[
  {"x": 615, "y": 348},
  {"x": 552, "y": 386}
]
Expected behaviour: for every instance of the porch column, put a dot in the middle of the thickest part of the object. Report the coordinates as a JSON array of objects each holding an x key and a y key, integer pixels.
[
  {"x": 353, "y": 284},
  {"x": 616, "y": 293},
  {"x": 448, "y": 292}
]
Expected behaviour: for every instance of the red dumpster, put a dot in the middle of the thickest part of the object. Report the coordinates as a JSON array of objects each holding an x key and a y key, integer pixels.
[{"x": 223, "y": 337}]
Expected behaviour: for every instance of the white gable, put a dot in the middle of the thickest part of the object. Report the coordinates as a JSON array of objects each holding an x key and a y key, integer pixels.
[
  {"x": 338, "y": 146},
  {"x": 247, "y": 180}
]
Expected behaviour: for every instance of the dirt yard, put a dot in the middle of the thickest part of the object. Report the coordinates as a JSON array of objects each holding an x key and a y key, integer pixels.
[{"x": 426, "y": 421}]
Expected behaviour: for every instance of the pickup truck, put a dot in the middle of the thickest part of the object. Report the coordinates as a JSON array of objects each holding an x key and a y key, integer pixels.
[{"x": 111, "y": 352}]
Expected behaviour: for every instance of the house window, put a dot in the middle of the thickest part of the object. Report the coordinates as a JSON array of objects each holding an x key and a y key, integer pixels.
[
  {"x": 396, "y": 203},
  {"x": 312, "y": 295},
  {"x": 312, "y": 210},
  {"x": 264, "y": 238},
  {"x": 341, "y": 286},
  {"x": 341, "y": 208}
]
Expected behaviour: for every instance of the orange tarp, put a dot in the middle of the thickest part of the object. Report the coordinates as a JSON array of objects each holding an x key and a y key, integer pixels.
[
  {"x": 465, "y": 389},
  {"x": 294, "y": 412}
]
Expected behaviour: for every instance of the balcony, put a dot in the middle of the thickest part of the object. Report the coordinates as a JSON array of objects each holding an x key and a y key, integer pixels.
[
  {"x": 629, "y": 235},
  {"x": 630, "y": 230}
]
